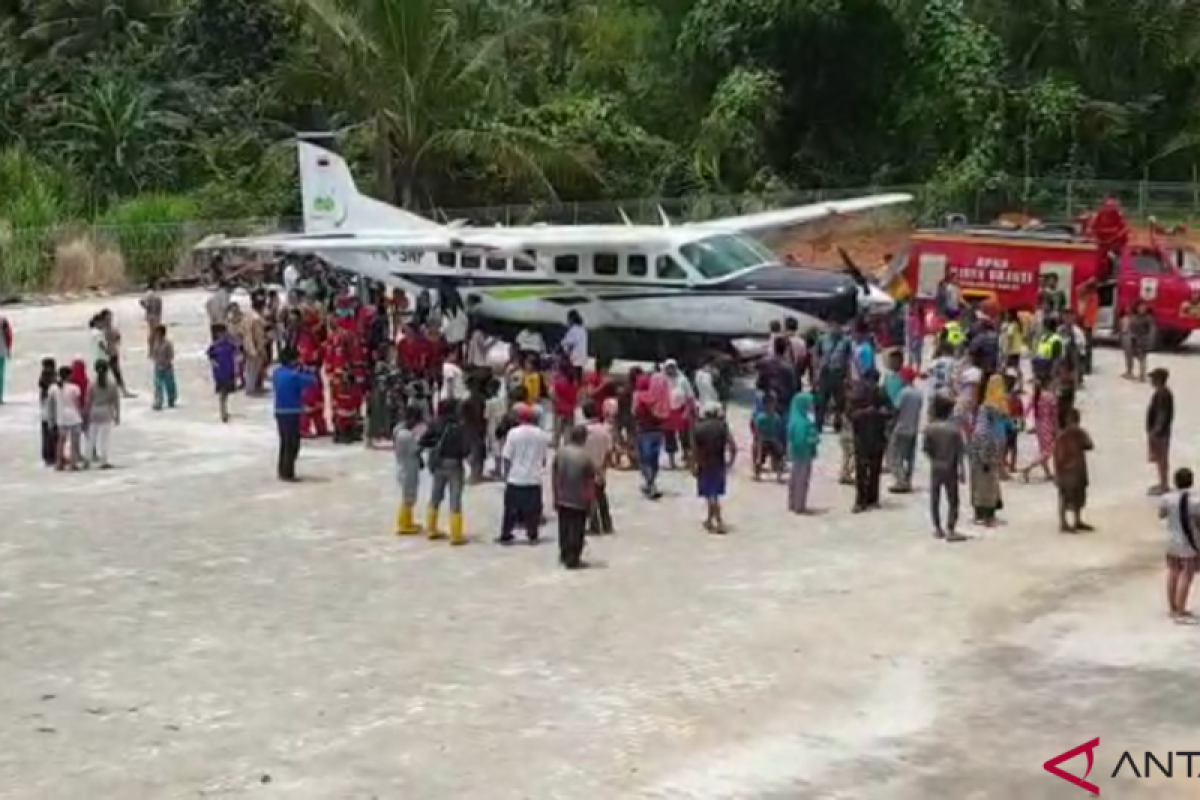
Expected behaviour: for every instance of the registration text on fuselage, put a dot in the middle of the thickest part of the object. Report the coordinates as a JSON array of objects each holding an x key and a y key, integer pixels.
[{"x": 398, "y": 255}]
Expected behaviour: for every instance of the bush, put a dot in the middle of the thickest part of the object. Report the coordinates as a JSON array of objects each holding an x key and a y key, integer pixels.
[
  {"x": 150, "y": 233},
  {"x": 33, "y": 199}
]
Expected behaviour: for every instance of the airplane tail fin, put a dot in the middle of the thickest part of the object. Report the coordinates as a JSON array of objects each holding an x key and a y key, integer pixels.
[{"x": 332, "y": 201}]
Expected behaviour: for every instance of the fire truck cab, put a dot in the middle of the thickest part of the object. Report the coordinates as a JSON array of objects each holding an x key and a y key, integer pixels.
[{"x": 1008, "y": 265}]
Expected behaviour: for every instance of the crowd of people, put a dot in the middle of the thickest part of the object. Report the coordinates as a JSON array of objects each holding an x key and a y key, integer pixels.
[{"x": 950, "y": 383}]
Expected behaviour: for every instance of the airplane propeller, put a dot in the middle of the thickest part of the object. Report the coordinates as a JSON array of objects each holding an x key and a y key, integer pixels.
[
  {"x": 625, "y": 216},
  {"x": 853, "y": 270},
  {"x": 666, "y": 221}
]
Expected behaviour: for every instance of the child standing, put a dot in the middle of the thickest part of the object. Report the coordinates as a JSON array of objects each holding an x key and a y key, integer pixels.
[
  {"x": 914, "y": 334},
  {"x": 494, "y": 411},
  {"x": 625, "y": 444},
  {"x": 222, "y": 357},
  {"x": 1015, "y": 420},
  {"x": 1071, "y": 472},
  {"x": 66, "y": 400},
  {"x": 49, "y": 415},
  {"x": 770, "y": 438},
  {"x": 162, "y": 356},
  {"x": 599, "y": 444}
]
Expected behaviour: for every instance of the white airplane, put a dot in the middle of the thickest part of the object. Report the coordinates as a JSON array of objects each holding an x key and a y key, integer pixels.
[{"x": 643, "y": 290}]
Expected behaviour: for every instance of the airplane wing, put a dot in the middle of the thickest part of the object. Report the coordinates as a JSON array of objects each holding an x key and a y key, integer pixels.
[{"x": 766, "y": 221}]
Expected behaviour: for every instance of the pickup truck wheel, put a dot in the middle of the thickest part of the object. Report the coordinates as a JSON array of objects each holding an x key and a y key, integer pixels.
[{"x": 1171, "y": 339}]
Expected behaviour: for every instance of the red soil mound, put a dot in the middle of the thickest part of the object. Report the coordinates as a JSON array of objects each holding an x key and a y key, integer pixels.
[{"x": 871, "y": 243}]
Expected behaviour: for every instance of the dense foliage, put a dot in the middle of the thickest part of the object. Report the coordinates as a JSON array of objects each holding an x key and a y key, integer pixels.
[{"x": 119, "y": 110}]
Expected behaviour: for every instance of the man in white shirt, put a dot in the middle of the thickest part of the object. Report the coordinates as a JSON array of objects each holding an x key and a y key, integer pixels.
[
  {"x": 291, "y": 282},
  {"x": 706, "y": 385},
  {"x": 454, "y": 382},
  {"x": 575, "y": 343},
  {"x": 523, "y": 463},
  {"x": 530, "y": 342},
  {"x": 454, "y": 329},
  {"x": 479, "y": 350}
]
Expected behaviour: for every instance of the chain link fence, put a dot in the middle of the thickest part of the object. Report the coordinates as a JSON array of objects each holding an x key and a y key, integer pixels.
[{"x": 72, "y": 257}]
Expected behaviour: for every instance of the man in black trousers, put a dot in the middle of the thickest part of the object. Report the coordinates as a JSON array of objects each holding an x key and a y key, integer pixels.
[
  {"x": 288, "y": 383},
  {"x": 870, "y": 414},
  {"x": 574, "y": 491}
]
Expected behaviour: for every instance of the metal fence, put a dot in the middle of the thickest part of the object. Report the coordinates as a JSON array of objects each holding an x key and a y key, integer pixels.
[{"x": 74, "y": 256}]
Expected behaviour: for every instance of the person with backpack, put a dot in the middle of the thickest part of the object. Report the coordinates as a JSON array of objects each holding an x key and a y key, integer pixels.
[
  {"x": 1181, "y": 510},
  {"x": 832, "y": 366}
]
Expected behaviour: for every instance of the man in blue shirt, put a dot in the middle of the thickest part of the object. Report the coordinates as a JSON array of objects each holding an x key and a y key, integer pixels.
[
  {"x": 864, "y": 352},
  {"x": 288, "y": 383}
]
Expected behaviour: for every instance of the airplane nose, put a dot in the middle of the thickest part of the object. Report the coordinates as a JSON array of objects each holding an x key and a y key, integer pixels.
[{"x": 874, "y": 300}]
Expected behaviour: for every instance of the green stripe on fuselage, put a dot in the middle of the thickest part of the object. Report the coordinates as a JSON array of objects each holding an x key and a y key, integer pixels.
[{"x": 523, "y": 292}]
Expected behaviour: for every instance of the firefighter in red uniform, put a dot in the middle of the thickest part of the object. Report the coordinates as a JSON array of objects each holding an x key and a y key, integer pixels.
[
  {"x": 1108, "y": 227},
  {"x": 312, "y": 419},
  {"x": 345, "y": 364}
]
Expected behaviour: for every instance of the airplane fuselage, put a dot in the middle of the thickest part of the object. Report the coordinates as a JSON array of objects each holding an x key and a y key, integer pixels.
[{"x": 665, "y": 289}]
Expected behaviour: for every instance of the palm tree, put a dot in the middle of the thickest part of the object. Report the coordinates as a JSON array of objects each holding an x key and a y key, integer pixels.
[
  {"x": 119, "y": 132},
  {"x": 432, "y": 86},
  {"x": 83, "y": 27}
]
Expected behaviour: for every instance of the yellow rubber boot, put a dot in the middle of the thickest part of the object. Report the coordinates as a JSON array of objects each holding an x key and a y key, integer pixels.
[
  {"x": 405, "y": 524},
  {"x": 457, "y": 535},
  {"x": 431, "y": 524}
]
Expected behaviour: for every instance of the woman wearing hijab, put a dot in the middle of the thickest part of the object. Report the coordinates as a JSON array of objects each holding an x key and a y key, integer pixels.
[
  {"x": 652, "y": 405},
  {"x": 803, "y": 437},
  {"x": 678, "y": 424},
  {"x": 79, "y": 377},
  {"x": 985, "y": 450}
]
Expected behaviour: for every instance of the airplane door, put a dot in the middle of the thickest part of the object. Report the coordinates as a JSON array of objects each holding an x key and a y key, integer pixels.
[{"x": 931, "y": 271}]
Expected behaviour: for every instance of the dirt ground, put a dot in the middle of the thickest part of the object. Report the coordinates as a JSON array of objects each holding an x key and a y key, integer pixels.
[{"x": 186, "y": 626}]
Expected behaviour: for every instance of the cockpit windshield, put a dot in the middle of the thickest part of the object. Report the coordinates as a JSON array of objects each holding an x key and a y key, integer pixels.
[{"x": 724, "y": 254}]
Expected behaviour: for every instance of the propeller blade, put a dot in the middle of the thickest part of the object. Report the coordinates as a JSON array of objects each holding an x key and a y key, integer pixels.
[
  {"x": 625, "y": 216},
  {"x": 666, "y": 221},
  {"x": 853, "y": 269}
]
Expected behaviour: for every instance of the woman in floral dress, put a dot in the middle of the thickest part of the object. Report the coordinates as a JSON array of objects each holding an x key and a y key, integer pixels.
[
  {"x": 985, "y": 451},
  {"x": 1045, "y": 427}
]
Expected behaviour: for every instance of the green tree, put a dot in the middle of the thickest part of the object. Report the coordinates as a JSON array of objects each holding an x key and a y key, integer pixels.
[{"x": 433, "y": 90}]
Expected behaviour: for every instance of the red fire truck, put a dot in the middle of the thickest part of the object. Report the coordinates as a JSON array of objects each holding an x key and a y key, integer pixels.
[{"x": 1006, "y": 265}]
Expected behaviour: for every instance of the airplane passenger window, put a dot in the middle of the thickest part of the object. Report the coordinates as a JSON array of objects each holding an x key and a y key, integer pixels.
[
  {"x": 446, "y": 259},
  {"x": 636, "y": 266},
  {"x": 1148, "y": 263},
  {"x": 566, "y": 265},
  {"x": 605, "y": 264},
  {"x": 497, "y": 264},
  {"x": 668, "y": 269},
  {"x": 470, "y": 262}
]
